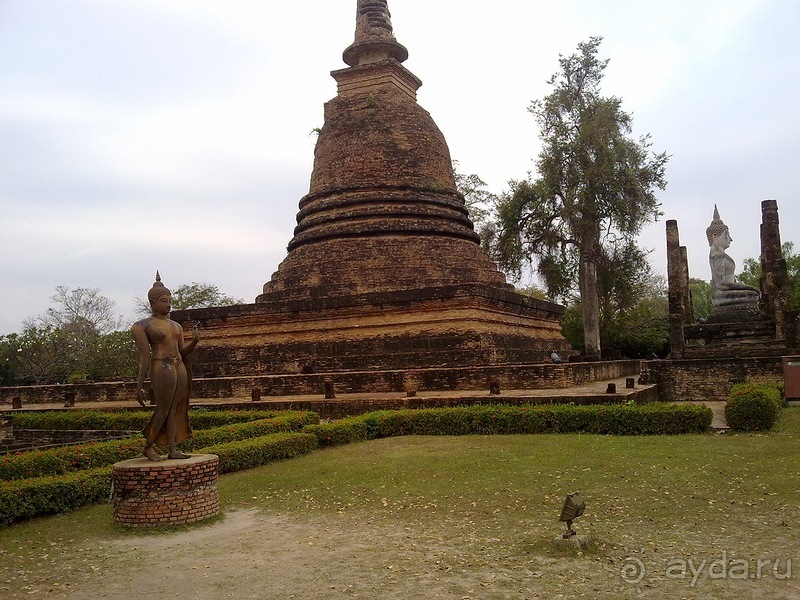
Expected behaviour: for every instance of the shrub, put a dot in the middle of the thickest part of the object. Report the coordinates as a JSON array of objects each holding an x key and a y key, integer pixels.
[
  {"x": 133, "y": 420},
  {"x": 774, "y": 390},
  {"x": 26, "y": 498},
  {"x": 242, "y": 431},
  {"x": 246, "y": 454},
  {"x": 80, "y": 419},
  {"x": 58, "y": 461},
  {"x": 337, "y": 433},
  {"x": 218, "y": 418},
  {"x": 650, "y": 419},
  {"x": 753, "y": 407}
]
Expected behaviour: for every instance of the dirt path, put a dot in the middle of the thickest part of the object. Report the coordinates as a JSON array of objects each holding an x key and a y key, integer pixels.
[{"x": 250, "y": 555}]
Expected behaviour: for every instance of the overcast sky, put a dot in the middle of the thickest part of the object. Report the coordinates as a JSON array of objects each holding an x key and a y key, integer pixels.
[{"x": 176, "y": 134}]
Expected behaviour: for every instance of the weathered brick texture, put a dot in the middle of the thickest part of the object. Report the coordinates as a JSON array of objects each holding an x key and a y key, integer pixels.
[
  {"x": 385, "y": 269},
  {"x": 510, "y": 376},
  {"x": 707, "y": 379},
  {"x": 165, "y": 493}
]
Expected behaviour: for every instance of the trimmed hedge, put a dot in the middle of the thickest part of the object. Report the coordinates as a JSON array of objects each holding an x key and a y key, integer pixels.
[
  {"x": 246, "y": 454},
  {"x": 25, "y": 498},
  {"x": 57, "y": 461},
  {"x": 293, "y": 421},
  {"x": 754, "y": 406},
  {"x": 130, "y": 420},
  {"x": 341, "y": 432},
  {"x": 649, "y": 419}
]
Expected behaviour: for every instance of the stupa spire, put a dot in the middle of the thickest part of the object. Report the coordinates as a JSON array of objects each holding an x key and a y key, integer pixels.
[{"x": 374, "y": 40}]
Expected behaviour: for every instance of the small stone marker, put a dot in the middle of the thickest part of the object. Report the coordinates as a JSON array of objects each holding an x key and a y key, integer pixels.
[
  {"x": 612, "y": 388},
  {"x": 630, "y": 383},
  {"x": 255, "y": 395},
  {"x": 16, "y": 402},
  {"x": 329, "y": 393},
  {"x": 576, "y": 541},
  {"x": 494, "y": 387},
  {"x": 69, "y": 399}
]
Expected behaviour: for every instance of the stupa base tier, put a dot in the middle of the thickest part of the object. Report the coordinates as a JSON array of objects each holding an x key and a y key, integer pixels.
[{"x": 449, "y": 328}]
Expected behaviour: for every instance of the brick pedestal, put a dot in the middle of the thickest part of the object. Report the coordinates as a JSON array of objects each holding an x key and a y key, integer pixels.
[{"x": 167, "y": 492}]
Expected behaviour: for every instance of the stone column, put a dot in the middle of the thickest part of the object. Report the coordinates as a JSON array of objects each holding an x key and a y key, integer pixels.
[
  {"x": 688, "y": 311},
  {"x": 774, "y": 275},
  {"x": 676, "y": 291}
]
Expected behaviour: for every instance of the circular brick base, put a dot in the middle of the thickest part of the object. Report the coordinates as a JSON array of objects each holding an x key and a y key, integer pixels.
[{"x": 169, "y": 492}]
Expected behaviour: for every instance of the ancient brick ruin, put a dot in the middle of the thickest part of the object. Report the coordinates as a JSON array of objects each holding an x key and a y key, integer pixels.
[
  {"x": 385, "y": 270},
  {"x": 707, "y": 358},
  {"x": 770, "y": 332}
]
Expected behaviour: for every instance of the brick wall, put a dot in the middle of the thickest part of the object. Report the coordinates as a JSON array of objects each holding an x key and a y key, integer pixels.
[
  {"x": 62, "y": 437},
  {"x": 707, "y": 379},
  {"x": 520, "y": 376}
]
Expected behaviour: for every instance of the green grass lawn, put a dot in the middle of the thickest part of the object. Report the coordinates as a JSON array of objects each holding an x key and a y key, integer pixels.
[{"x": 704, "y": 516}]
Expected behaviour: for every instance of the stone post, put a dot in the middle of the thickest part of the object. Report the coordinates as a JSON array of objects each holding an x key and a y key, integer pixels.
[
  {"x": 688, "y": 312},
  {"x": 774, "y": 275},
  {"x": 676, "y": 291}
]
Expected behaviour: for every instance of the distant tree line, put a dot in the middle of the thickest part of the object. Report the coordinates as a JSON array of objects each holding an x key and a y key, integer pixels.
[
  {"x": 81, "y": 338},
  {"x": 751, "y": 273}
]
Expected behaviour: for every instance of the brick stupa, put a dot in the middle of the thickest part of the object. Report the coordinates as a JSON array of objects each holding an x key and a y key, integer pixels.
[{"x": 385, "y": 270}]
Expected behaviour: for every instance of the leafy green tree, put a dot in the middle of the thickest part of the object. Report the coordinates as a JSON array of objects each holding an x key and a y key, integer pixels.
[
  {"x": 751, "y": 273},
  {"x": 44, "y": 354},
  {"x": 701, "y": 298},
  {"x": 644, "y": 329},
  {"x": 73, "y": 327},
  {"x": 194, "y": 295},
  {"x": 113, "y": 356},
  {"x": 572, "y": 325},
  {"x": 9, "y": 351},
  {"x": 77, "y": 338},
  {"x": 596, "y": 189},
  {"x": 201, "y": 295},
  {"x": 633, "y": 318},
  {"x": 479, "y": 202},
  {"x": 532, "y": 291}
]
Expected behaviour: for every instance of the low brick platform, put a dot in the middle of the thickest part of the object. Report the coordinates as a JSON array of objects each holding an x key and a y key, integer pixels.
[{"x": 165, "y": 493}]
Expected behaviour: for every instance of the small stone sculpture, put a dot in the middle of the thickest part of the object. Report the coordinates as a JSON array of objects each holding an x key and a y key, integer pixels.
[
  {"x": 164, "y": 354},
  {"x": 726, "y": 293}
]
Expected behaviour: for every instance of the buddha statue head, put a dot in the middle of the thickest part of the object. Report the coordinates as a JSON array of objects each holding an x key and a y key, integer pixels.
[
  {"x": 159, "y": 296},
  {"x": 718, "y": 233}
]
